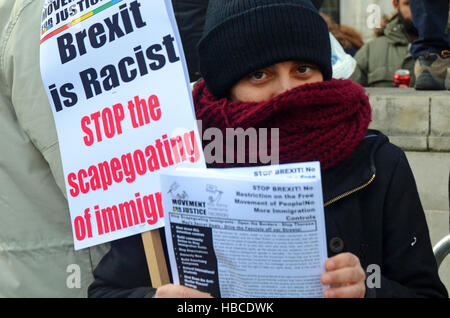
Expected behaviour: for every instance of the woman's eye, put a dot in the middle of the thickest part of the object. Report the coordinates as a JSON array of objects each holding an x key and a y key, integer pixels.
[
  {"x": 304, "y": 69},
  {"x": 259, "y": 75}
]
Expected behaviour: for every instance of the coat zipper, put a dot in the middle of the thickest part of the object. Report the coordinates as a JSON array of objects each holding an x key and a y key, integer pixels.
[{"x": 346, "y": 194}]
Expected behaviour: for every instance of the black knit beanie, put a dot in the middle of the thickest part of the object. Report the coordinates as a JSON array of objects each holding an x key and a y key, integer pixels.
[{"x": 243, "y": 36}]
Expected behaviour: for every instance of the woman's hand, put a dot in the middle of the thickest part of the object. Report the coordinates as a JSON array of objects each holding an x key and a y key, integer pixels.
[
  {"x": 176, "y": 291},
  {"x": 345, "y": 276}
]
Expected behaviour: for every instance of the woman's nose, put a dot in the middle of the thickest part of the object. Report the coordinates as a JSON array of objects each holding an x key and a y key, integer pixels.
[{"x": 285, "y": 84}]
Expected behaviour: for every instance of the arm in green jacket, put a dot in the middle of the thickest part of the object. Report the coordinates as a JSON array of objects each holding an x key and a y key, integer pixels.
[
  {"x": 22, "y": 87},
  {"x": 362, "y": 66}
]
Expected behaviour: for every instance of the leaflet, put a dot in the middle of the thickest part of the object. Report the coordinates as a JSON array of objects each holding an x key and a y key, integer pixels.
[{"x": 246, "y": 232}]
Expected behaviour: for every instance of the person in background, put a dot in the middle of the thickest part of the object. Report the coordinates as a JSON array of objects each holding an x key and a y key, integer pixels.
[
  {"x": 37, "y": 256},
  {"x": 378, "y": 60},
  {"x": 431, "y": 50},
  {"x": 349, "y": 38},
  {"x": 280, "y": 75}
]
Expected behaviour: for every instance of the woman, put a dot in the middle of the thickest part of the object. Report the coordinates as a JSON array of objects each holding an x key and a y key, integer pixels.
[{"x": 267, "y": 63}]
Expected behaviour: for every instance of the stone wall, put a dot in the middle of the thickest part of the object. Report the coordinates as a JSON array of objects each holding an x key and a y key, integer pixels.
[
  {"x": 419, "y": 123},
  {"x": 360, "y": 15}
]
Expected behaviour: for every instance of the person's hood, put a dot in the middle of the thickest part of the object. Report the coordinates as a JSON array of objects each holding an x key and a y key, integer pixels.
[
  {"x": 317, "y": 3},
  {"x": 395, "y": 33}
]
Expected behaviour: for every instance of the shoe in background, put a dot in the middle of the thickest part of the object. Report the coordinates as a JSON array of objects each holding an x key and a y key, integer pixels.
[{"x": 432, "y": 71}]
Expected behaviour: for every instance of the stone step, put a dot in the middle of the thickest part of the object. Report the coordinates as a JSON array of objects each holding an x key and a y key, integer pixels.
[{"x": 413, "y": 120}]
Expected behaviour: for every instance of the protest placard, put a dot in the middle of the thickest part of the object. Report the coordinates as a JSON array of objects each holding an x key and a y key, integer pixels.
[{"x": 117, "y": 82}]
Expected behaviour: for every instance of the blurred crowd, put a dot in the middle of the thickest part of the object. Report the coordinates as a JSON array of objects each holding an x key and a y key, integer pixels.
[{"x": 398, "y": 43}]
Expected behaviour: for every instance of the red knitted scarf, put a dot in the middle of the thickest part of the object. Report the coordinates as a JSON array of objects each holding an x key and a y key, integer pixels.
[{"x": 323, "y": 121}]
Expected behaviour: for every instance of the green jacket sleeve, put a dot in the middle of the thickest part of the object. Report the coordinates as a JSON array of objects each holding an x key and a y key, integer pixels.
[
  {"x": 22, "y": 83},
  {"x": 362, "y": 66}
]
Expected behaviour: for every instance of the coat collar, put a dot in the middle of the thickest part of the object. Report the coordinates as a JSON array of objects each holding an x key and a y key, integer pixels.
[
  {"x": 356, "y": 171},
  {"x": 396, "y": 34}
]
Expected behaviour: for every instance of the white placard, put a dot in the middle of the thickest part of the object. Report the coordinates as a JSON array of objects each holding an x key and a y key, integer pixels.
[{"x": 116, "y": 78}]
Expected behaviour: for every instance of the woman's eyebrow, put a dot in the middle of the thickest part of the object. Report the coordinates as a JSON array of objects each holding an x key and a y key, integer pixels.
[{"x": 270, "y": 68}]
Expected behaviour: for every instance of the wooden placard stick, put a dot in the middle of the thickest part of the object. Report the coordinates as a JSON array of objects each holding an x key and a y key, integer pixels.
[{"x": 156, "y": 261}]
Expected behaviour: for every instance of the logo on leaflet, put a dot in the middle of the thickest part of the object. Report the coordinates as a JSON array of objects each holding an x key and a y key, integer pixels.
[
  {"x": 214, "y": 197},
  {"x": 177, "y": 193},
  {"x": 181, "y": 202}
]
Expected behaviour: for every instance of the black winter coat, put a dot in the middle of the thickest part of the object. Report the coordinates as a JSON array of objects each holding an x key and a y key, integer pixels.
[{"x": 372, "y": 209}]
